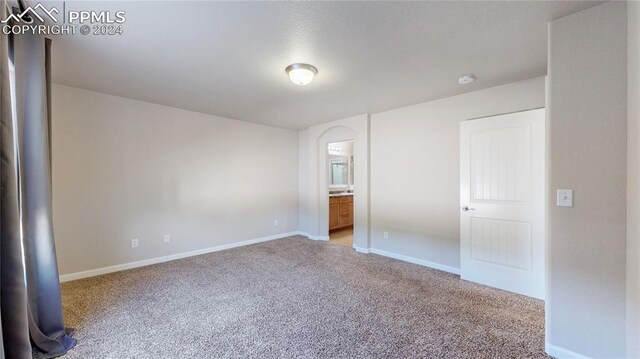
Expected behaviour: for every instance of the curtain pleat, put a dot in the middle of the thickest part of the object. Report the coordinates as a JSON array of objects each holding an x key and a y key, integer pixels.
[
  {"x": 28, "y": 249},
  {"x": 13, "y": 291},
  {"x": 43, "y": 287}
]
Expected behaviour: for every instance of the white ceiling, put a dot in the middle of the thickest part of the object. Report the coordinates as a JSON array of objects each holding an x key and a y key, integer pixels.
[{"x": 228, "y": 59}]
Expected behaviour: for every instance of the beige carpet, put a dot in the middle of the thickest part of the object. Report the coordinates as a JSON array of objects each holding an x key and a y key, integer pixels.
[{"x": 297, "y": 298}]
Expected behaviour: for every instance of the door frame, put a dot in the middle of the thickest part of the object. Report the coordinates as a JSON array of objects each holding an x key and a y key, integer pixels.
[
  {"x": 328, "y": 182},
  {"x": 356, "y": 128}
]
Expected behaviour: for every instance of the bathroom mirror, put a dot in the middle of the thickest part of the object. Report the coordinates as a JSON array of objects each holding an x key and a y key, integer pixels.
[
  {"x": 340, "y": 165},
  {"x": 339, "y": 172}
]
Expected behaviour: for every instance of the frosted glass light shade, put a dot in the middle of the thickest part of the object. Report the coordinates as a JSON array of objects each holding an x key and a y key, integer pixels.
[{"x": 301, "y": 74}]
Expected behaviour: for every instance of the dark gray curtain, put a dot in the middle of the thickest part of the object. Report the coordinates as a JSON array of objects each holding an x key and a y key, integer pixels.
[
  {"x": 13, "y": 291},
  {"x": 30, "y": 301}
]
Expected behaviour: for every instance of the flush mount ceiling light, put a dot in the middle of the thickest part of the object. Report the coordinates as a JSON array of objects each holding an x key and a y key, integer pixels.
[
  {"x": 301, "y": 74},
  {"x": 466, "y": 79}
]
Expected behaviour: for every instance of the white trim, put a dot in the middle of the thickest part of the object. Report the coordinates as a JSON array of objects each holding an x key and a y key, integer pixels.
[
  {"x": 362, "y": 250},
  {"x": 562, "y": 353},
  {"x": 418, "y": 261},
  {"x": 319, "y": 238},
  {"x": 171, "y": 257},
  {"x": 315, "y": 238}
]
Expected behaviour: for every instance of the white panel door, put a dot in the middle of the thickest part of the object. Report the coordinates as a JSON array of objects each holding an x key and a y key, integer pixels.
[{"x": 502, "y": 196}]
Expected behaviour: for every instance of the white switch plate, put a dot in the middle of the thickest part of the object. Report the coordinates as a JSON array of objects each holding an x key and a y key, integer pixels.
[
  {"x": 167, "y": 238},
  {"x": 134, "y": 243},
  {"x": 385, "y": 235},
  {"x": 275, "y": 222},
  {"x": 565, "y": 198}
]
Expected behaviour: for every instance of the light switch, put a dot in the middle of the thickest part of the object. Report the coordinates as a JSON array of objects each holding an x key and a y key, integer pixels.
[{"x": 565, "y": 198}]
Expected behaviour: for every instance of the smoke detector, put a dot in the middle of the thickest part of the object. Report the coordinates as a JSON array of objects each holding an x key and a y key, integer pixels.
[{"x": 466, "y": 79}]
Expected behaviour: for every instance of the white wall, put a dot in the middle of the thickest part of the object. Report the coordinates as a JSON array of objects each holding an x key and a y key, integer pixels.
[
  {"x": 415, "y": 169},
  {"x": 587, "y": 114},
  {"x": 303, "y": 181},
  {"x": 126, "y": 169},
  {"x": 633, "y": 182},
  {"x": 343, "y": 149}
]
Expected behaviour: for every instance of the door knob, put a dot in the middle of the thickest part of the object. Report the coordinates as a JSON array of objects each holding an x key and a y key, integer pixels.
[{"x": 466, "y": 208}]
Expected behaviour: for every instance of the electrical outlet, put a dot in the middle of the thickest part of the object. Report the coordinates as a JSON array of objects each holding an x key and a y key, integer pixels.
[
  {"x": 134, "y": 243},
  {"x": 167, "y": 238},
  {"x": 275, "y": 222},
  {"x": 385, "y": 235}
]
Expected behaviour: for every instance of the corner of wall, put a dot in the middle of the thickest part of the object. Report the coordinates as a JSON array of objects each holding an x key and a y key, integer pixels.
[
  {"x": 633, "y": 180},
  {"x": 587, "y": 253},
  {"x": 303, "y": 176}
]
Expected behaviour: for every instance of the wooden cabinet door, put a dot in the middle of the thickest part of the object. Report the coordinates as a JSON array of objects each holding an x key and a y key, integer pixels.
[
  {"x": 334, "y": 216},
  {"x": 346, "y": 214}
]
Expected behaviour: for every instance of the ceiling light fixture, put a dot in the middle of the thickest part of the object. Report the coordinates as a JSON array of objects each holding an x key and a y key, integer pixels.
[
  {"x": 466, "y": 79},
  {"x": 301, "y": 74}
]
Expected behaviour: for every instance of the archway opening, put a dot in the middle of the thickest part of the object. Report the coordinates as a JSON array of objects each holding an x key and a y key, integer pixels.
[{"x": 341, "y": 189}]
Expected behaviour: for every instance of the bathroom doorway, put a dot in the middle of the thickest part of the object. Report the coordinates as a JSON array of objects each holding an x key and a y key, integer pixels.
[{"x": 341, "y": 191}]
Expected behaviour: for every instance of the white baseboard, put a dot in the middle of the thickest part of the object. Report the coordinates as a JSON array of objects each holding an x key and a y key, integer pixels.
[
  {"x": 362, "y": 250},
  {"x": 562, "y": 353},
  {"x": 315, "y": 238},
  {"x": 319, "y": 238},
  {"x": 417, "y": 261},
  {"x": 146, "y": 262}
]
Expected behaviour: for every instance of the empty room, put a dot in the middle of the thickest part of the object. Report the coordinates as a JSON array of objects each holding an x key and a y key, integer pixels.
[{"x": 319, "y": 179}]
